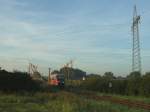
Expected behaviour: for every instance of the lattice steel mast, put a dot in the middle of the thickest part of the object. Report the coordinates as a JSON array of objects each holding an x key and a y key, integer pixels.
[{"x": 136, "y": 56}]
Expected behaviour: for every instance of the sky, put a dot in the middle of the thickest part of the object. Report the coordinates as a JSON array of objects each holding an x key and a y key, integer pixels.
[{"x": 96, "y": 34}]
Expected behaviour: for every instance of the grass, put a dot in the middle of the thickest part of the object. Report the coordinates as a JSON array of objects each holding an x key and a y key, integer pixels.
[{"x": 56, "y": 102}]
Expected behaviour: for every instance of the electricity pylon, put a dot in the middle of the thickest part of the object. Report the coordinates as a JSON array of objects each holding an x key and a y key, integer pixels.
[{"x": 136, "y": 56}]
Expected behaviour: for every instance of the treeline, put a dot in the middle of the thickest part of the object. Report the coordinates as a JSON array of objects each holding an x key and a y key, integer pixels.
[
  {"x": 133, "y": 84},
  {"x": 71, "y": 73},
  {"x": 17, "y": 81}
]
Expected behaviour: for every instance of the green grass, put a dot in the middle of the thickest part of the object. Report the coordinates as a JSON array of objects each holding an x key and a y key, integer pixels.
[{"x": 57, "y": 102}]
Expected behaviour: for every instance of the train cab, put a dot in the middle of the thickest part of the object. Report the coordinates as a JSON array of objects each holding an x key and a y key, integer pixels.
[{"x": 56, "y": 79}]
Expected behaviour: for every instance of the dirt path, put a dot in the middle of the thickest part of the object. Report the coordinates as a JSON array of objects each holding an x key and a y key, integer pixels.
[{"x": 125, "y": 102}]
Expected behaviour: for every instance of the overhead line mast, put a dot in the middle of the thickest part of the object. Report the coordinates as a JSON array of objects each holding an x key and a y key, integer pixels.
[{"x": 136, "y": 55}]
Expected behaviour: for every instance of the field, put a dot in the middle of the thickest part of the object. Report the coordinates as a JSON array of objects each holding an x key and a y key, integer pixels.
[{"x": 57, "y": 102}]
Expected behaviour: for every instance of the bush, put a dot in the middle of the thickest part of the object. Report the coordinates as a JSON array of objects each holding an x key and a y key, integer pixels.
[
  {"x": 133, "y": 84},
  {"x": 16, "y": 81}
]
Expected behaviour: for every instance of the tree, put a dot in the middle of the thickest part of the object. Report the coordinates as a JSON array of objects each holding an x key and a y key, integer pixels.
[
  {"x": 145, "y": 85},
  {"x": 109, "y": 75},
  {"x": 135, "y": 75},
  {"x": 73, "y": 74},
  {"x": 55, "y": 72},
  {"x": 16, "y": 81},
  {"x": 133, "y": 83}
]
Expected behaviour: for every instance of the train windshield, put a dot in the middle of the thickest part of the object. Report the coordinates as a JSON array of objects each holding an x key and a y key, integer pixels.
[{"x": 60, "y": 77}]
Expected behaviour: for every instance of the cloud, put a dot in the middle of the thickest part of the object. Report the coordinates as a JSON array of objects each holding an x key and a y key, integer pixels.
[{"x": 48, "y": 37}]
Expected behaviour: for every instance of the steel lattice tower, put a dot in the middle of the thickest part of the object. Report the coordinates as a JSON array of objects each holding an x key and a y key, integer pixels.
[{"x": 136, "y": 56}]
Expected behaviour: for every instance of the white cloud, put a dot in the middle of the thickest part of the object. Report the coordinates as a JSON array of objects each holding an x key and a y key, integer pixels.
[{"x": 42, "y": 39}]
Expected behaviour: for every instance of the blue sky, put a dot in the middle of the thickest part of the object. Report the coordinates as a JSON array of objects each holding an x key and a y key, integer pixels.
[{"x": 95, "y": 33}]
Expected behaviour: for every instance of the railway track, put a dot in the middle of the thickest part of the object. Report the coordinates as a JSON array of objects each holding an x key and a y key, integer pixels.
[{"x": 125, "y": 102}]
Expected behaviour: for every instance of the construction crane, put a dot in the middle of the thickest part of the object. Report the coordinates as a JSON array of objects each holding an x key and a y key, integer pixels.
[
  {"x": 68, "y": 66},
  {"x": 34, "y": 72}
]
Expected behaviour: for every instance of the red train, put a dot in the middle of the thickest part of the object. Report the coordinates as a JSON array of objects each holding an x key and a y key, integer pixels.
[{"x": 56, "y": 79}]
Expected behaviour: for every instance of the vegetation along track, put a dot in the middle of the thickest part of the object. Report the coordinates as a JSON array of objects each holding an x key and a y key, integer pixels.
[{"x": 126, "y": 102}]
